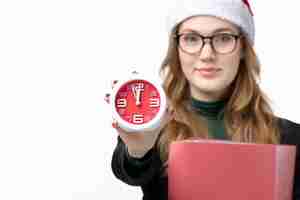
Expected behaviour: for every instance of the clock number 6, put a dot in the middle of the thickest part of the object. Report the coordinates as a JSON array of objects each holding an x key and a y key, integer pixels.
[{"x": 138, "y": 119}]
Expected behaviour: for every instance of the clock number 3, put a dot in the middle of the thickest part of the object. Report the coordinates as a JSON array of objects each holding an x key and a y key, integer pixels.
[
  {"x": 153, "y": 102},
  {"x": 138, "y": 118}
]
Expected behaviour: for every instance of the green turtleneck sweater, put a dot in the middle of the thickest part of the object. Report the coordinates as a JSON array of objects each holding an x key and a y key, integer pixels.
[{"x": 213, "y": 112}]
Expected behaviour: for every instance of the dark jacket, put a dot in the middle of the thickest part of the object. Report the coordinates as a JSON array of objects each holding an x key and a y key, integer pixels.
[{"x": 147, "y": 171}]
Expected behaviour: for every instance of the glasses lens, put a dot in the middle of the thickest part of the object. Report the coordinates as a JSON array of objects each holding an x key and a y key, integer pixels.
[
  {"x": 190, "y": 42},
  {"x": 224, "y": 43}
]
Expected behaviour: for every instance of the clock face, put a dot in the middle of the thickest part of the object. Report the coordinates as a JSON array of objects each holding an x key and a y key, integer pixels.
[{"x": 137, "y": 101}]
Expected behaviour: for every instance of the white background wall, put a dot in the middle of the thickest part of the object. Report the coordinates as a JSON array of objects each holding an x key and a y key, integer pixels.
[{"x": 57, "y": 59}]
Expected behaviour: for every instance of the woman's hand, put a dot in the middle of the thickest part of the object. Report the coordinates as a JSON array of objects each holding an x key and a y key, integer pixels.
[{"x": 139, "y": 143}]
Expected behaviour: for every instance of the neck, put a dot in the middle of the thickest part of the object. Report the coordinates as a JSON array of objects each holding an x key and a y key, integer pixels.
[
  {"x": 209, "y": 96},
  {"x": 211, "y": 109}
]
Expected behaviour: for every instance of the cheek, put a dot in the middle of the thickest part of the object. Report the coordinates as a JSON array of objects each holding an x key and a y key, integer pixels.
[
  {"x": 186, "y": 63},
  {"x": 231, "y": 67}
]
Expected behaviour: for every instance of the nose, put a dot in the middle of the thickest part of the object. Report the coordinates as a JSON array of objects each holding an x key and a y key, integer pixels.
[{"x": 207, "y": 52}]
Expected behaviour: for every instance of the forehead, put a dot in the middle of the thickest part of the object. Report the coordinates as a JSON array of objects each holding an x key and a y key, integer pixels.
[{"x": 207, "y": 24}]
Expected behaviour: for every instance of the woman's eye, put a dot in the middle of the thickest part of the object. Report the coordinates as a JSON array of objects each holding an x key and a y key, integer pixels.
[
  {"x": 224, "y": 38},
  {"x": 191, "y": 38}
]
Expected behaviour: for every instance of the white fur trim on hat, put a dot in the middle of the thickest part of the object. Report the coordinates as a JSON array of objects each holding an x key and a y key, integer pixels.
[{"x": 234, "y": 11}]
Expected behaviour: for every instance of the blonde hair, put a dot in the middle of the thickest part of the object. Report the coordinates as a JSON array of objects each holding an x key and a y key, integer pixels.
[{"x": 248, "y": 117}]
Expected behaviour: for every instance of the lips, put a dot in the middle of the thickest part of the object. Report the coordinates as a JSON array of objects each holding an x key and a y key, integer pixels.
[
  {"x": 208, "y": 72},
  {"x": 208, "y": 69}
]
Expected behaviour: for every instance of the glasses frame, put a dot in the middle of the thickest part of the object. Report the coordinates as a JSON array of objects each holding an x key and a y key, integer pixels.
[{"x": 210, "y": 39}]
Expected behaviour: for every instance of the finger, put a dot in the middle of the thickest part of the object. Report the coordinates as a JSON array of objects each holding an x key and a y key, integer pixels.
[
  {"x": 119, "y": 131},
  {"x": 107, "y": 98},
  {"x": 113, "y": 83},
  {"x": 126, "y": 136},
  {"x": 116, "y": 126}
]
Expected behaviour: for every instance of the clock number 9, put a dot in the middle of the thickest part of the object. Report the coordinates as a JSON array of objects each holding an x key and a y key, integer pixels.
[{"x": 121, "y": 103}]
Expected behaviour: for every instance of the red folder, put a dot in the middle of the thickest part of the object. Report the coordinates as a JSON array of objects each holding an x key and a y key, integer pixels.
[{"x": 221, "y": 170}]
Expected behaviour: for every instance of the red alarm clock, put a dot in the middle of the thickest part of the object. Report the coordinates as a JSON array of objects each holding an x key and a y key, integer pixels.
[{"x": 138, "y": 103}]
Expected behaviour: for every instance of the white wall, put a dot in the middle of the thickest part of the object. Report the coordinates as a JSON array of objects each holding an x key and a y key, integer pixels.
[{"x": 57, "y": 59}]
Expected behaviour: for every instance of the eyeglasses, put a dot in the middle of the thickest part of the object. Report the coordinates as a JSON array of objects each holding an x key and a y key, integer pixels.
[{"x": 222, "y": 43}]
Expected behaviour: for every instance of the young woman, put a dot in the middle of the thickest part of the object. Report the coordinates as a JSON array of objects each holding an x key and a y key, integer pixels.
[{"x": 210, "y": 77}]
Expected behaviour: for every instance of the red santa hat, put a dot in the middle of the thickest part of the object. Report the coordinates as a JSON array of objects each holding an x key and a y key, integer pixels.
[{"x": 237, "y": 12}]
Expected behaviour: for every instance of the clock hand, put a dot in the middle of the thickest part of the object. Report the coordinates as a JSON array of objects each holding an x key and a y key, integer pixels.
[
  {"x": 136, "y": 91},
  {"x": 133, "y": 92},
  {"x": 138, "y": 96}
]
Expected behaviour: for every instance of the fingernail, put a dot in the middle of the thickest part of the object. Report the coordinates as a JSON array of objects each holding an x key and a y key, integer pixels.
[
  {"x": 114, "y": 125},
  {"x": 115, "y": 81}
]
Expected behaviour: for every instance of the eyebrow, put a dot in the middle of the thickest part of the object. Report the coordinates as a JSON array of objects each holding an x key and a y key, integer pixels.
[{"x": 215, "y": 31}]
